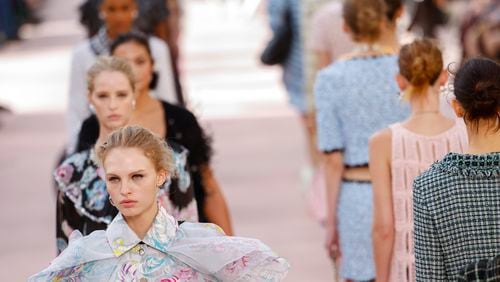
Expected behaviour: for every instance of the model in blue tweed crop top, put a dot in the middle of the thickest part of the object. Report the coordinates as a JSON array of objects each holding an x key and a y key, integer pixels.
[{"x": 354, "y": 99}]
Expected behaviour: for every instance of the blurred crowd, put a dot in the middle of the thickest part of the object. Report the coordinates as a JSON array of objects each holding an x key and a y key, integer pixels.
[{"x": 404, "y": 167}]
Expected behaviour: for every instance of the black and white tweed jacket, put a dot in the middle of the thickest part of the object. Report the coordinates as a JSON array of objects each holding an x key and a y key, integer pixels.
[{"x": 456, "y": 215}]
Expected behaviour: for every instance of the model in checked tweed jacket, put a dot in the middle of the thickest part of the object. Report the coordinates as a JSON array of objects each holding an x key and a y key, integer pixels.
[{"x": 457, "y": 201}]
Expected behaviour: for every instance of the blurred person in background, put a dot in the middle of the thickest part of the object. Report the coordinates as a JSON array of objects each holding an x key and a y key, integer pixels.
[
  {"x": 480, "y": 30},
  {"x": 174, "y": 123},
  {"x": 15, "y": 13},
  {"x": 456, "y": 201},
  {"x": 355, "y": 97},
  {"x": 428, "y": 15},
  {"x": 329, "y": 41},
  {"x": 404, "y": 150},
  {"x": 118, "y": 17},
  {"x": 160, "y": 18},
  {"x": 82, "y": 202}
]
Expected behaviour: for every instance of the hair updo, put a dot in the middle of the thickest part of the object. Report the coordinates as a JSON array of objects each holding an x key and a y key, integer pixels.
[
  {"x": 364, "y": 18},
  {"x": 421, "y": 63},
  {"x": 477, "y": 89},
  {"x": 134, "y": 136},
  {"x": 110, "y": 64}
]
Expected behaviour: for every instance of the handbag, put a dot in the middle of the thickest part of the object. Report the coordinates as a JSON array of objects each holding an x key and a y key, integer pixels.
[{"x": 278, "y": 48}]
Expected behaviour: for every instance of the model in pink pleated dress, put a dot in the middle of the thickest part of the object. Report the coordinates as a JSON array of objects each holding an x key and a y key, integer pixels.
[{"x": 402, "y": 152}]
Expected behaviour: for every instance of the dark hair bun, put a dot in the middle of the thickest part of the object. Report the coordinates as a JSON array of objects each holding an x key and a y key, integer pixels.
[{"x": 477, "y": 89}]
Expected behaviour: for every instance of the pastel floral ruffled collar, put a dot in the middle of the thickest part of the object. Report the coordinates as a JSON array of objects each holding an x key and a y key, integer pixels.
[
  {"x": 474, "y": 166},
  {"x": 121, "y": 238}
]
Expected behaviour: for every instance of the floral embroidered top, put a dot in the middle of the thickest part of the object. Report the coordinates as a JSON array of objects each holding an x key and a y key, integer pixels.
[
  {"x": 168, "y": 253},
  {"x": 83, "y": 202}
]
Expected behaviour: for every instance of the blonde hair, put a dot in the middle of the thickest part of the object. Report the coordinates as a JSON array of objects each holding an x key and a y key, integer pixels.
[
  {"x": 134, "y": 136},
  {"x": 364, "y": 18},
  {"x": 110, "y": 64},
  {"x": 421, "y": 63}
]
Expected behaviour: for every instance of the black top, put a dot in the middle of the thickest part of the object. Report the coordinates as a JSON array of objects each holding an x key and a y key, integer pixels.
[{"x": 182, "y": 128}]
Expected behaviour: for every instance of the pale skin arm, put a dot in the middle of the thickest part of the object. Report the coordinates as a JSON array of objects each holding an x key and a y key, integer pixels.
[
  {"x": 383, "y": 217},
  {"x": 216, "y": 209},
  {"x": 334, "y": 167},
  {"x": 323, "y": 59}
]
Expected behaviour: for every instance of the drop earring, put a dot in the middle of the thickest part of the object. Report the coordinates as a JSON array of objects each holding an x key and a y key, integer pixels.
[{"x": 111, "y": 202}]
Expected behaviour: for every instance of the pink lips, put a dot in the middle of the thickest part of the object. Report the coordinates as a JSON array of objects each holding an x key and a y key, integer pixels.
[
  {"x": 114, "y": 117},
  {"x": 128, "y": 203}
]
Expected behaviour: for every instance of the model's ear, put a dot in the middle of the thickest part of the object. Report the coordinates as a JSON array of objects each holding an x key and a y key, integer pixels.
[
  {"x": 402, "y": 82},
  {"x": 457, "y": 108},
  {"x": 161, "y": 177}
]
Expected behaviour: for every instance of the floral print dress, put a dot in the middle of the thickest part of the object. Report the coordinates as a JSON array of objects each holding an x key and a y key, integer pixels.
[
  {"x": 83, "y": 202},
  {"x": 169, "y": 252}
]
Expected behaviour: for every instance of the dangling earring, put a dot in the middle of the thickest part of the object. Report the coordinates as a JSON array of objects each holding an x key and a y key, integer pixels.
[{"x": 111, "y": 201}]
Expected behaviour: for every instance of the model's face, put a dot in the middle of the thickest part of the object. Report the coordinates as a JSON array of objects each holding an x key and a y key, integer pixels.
[
  {"x": 132, "y": 181},
  {"x": 113, "y": 99},
  {"x": 138, "y": 57},
  {"x": 118, "y": 15}
]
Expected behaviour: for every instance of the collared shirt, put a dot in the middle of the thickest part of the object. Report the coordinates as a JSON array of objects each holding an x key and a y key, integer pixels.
[{"x": 168, "y": 252}]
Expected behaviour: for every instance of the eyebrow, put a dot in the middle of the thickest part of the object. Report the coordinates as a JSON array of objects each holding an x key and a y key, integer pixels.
[{"x": 137, "y": 171}]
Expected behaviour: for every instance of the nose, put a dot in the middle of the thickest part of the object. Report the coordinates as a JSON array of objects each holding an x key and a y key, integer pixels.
[
  {"x": 125, "y": 189},
  {"x": 113, "y": 103}
]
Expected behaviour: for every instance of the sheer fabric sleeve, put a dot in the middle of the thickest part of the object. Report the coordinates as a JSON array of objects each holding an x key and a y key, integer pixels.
[
  {"x": 327, "y": 117},
  {"x": 429, "y": 260}
]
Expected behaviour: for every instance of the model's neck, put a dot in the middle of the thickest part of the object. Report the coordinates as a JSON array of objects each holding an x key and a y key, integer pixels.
[
  {"x": 143, "y": 101},
  {"x": 483, "y": 140},
  {"x": 426, "y": 101},
  {"x": 112, "y": 35},
  {"x": 389, "y": 38},
  {"x": 141, "y": 223}
]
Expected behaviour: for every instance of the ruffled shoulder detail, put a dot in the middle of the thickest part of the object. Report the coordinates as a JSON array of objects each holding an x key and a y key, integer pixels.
[
  {"x": 205, "y": 248},
  {"x": 78, "y": 258},
  {"x": 472, "y": 166}
]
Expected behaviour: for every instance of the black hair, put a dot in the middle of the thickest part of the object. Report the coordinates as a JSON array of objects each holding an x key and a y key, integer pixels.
[
  {"x": 141, "y": 39},
  {"x": 477, "y": 89}
]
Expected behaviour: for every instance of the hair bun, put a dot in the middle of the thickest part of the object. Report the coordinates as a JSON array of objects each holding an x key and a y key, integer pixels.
[{"x": 486, "y": 98}]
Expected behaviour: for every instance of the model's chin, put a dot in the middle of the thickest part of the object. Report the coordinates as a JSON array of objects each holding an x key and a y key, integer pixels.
[
  {"x": 115, "y": 124},
  {"x": 129, "y": 212}
]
